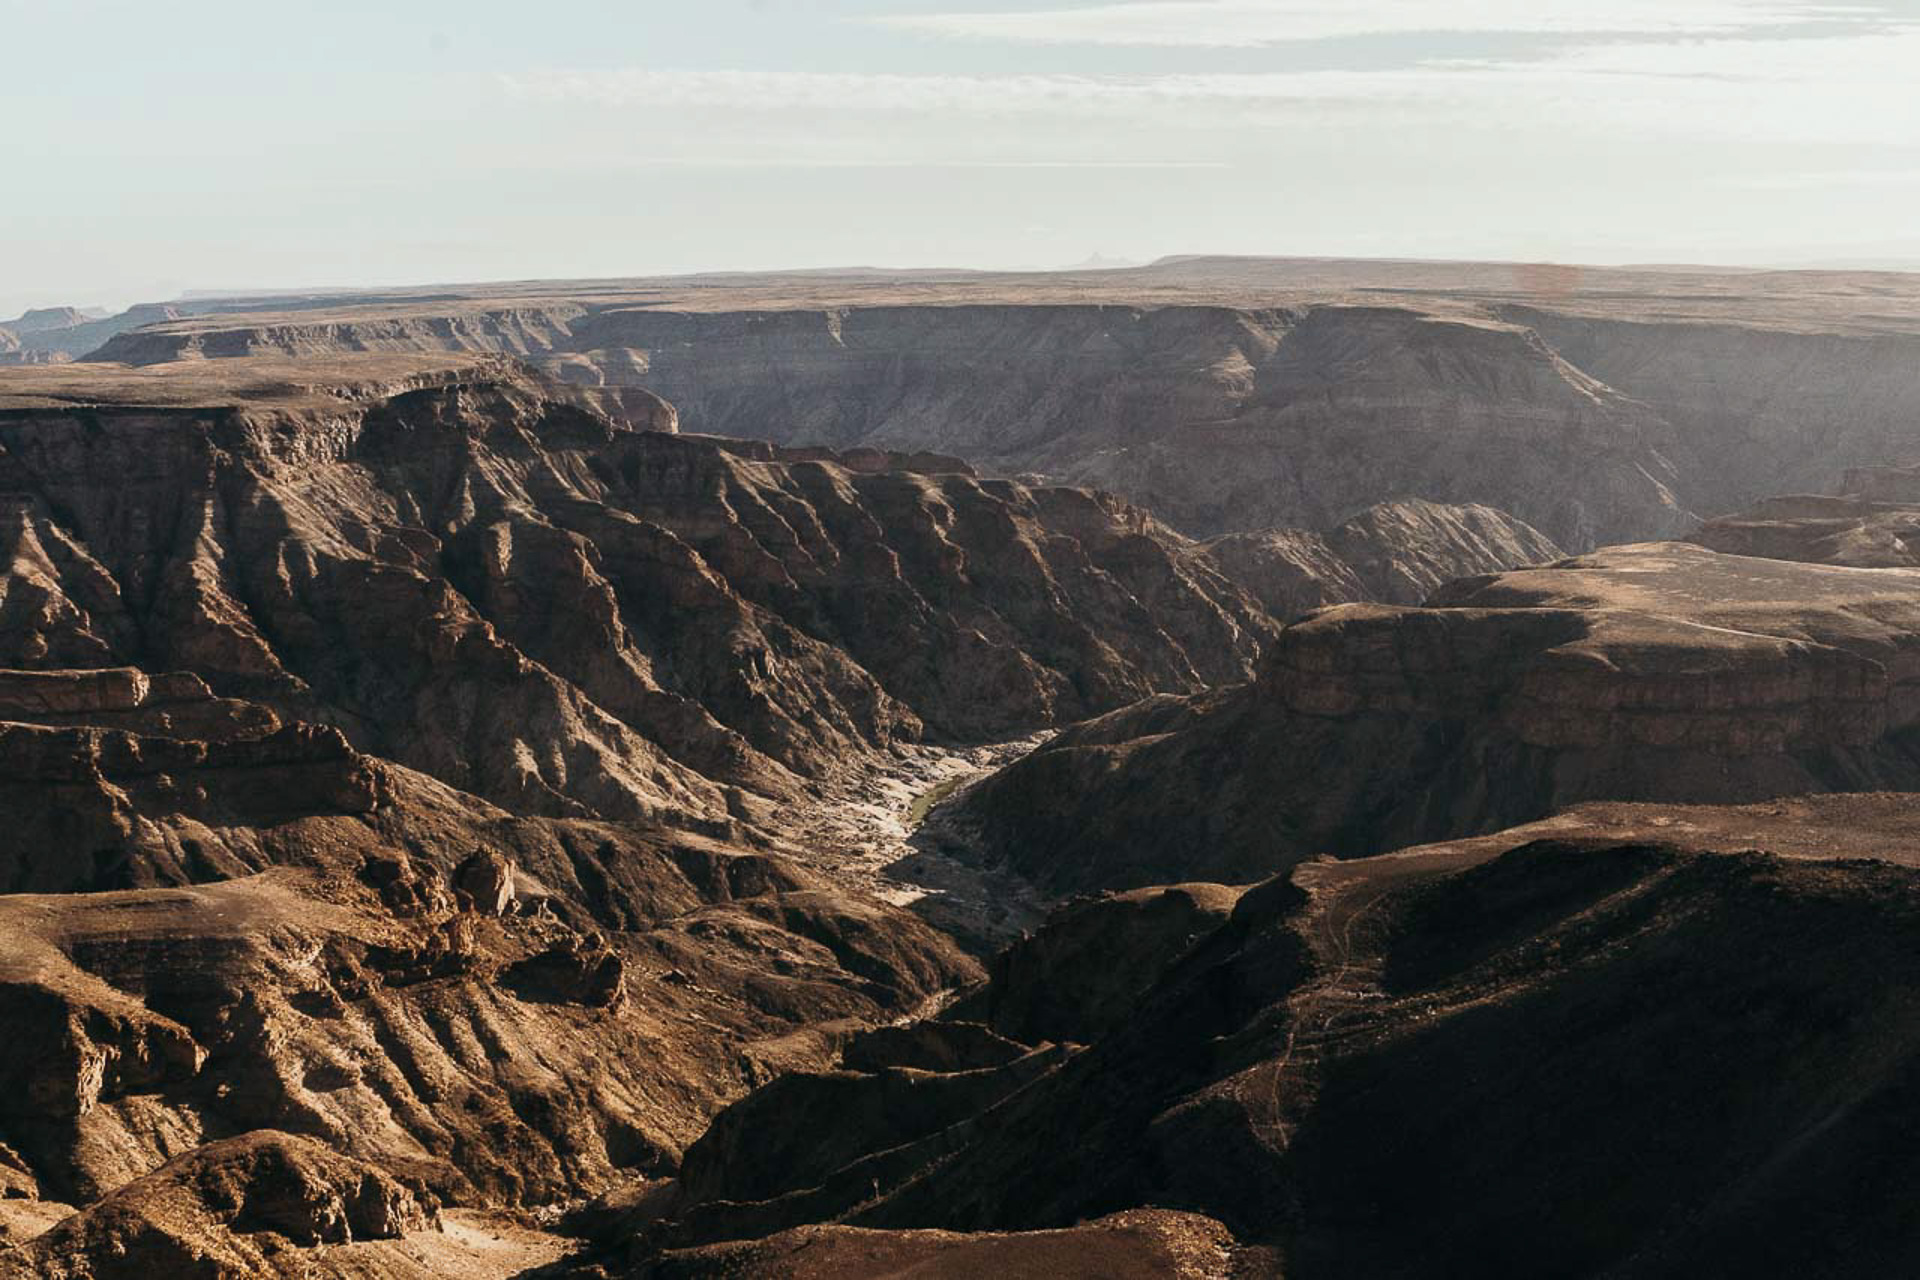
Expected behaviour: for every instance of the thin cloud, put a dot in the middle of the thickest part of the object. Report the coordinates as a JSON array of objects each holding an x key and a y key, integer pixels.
[
  {"x": 1256, "y": 23},
  {"x": 855, "y": 91},
  {"x": 894, "y": 162},
  {"x": 1825, "y": 179},
  {"x": 1856, "y": 89}
]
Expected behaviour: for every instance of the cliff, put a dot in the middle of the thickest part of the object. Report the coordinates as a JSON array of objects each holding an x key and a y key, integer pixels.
[
  {"x": 1603, "y": 407},
  {"x": 444, "y": 562},
  {"x": 1392, "y": 553},
  {"x": 1659, "y": 672}
]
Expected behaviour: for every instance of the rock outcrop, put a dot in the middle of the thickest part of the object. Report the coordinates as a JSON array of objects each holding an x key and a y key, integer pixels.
[
  {"x": 1657, "y": 672},
  {"x": 472, "y": 573},
  {"x": 239, "y": 1206},
  {"x": 1393, "y": 553}
]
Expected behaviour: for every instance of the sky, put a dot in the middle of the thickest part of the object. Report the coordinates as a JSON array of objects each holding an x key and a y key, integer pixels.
[{"x": 151, "y": 148}]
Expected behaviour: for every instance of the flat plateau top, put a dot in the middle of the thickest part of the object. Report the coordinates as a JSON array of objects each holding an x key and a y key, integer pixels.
[
  {"x": 207, "y": 384},
  {"x": 1860, "y": 302}
]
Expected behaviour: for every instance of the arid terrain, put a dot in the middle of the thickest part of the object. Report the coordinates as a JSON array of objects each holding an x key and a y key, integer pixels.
[
  {"x": 1599, "y": 405},
  {"x": 1232, "y": 768}
]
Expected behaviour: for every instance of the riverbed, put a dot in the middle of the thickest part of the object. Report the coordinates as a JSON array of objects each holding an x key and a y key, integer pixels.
[{"x": 880, "y": 829}]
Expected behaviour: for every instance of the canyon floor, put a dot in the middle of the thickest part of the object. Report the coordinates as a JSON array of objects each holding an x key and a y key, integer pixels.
[{"x": 888, "y": 831}]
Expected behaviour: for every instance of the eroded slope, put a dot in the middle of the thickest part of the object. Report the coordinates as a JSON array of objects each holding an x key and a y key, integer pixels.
[
  {"x": 1548, "y": 1052},
  {"x": 660, "y": 623}
]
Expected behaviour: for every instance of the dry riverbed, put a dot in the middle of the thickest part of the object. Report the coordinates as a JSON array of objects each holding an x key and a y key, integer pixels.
[{"x": 882, "y": 829}]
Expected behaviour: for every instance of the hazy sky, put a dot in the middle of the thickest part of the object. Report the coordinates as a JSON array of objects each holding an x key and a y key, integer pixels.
[{"x": 153, "y": 147}]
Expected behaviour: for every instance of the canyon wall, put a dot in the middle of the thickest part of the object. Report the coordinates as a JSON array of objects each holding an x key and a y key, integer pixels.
[
  {"x": 659, "y": 623},
  {"x": 1658, "y": 672},
  {"x": 1592, "y": 429}
]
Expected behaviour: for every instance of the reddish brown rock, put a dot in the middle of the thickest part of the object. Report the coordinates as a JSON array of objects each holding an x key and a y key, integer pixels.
[
  {"x": 229, "y": 1208},
  {"x": 1351, "y": 1071},
  {"x": 1657, "y": 672},
  {"x": 477, "y": 574},
  {"x": 486, "y": 879},
  {"x": 1392, "y": 553}
]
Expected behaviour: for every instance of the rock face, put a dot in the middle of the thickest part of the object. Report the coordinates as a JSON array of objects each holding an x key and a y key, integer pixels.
[
  {"x": 227, "y": 1209},
  {"x": 1353, "y": 1071},
  {"x": 1218, "y": 418},
  {"x": 1873, "y": 524},
  {"x": 1655, "y": 672},
  {"x": 1393, "y": 553},
  {"x": 96, "y": 758},
  {"x": 656, "y": 621},
  {"x": 1596, "y": 406},
  {"x": 53, "y": 335}
]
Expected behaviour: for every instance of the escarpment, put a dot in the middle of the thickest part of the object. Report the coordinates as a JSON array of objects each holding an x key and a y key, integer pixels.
[
  {"x": 1596, "y": 405},
  {"x": 1655, "y": 672},
  {"x": 1218, "y": 418},
  {"x": 515, "y": 330}
]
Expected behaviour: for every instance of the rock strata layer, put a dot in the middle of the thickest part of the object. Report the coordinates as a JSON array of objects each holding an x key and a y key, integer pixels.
[
  {"x": 475, "y": 574},
  {"x": 1228, "y": 395},
  {"x": 1393, "y": 553},
  {"x": 1656, "y": 672}
]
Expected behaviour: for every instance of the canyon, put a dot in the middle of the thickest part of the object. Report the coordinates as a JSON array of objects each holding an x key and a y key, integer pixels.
[{"x": 1232, "y": 768}]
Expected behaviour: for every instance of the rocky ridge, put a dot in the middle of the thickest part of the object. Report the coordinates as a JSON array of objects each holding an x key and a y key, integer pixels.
[
  {"x": 1346, "y": 1072},
  {"x": 1392, "y": 553},
  {"x": 665, "y": 624},
  {"x": 396, "y": 754}
]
